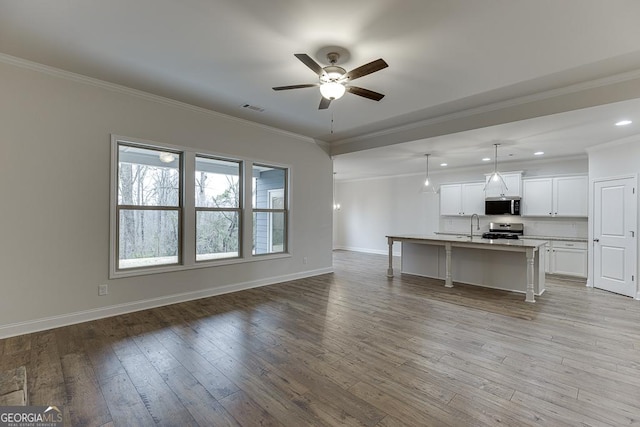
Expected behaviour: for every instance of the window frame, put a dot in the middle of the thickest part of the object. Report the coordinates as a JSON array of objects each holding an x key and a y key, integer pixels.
[
  {"x": 238, "y": 210},
  {"x": 120, "y": 207},
  {"x": 187, "y": 225},
  {"x": 284, "y": 211}
]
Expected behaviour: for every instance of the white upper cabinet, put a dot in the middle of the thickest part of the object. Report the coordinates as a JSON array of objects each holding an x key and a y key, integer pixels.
[
  {"x": 513, "y": 181},
  {"x": 537, "y": 199},
  {"x": 570, "y": 196},
  {"x": 462, "y": 199},
  {"x": 561, "y": 196},
  {"x": 451, "y": 199},
  {"x": 473, "y": 198}
]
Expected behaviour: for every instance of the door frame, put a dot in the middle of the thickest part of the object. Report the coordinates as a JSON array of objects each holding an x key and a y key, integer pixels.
[{"x": 590, "y": 225}]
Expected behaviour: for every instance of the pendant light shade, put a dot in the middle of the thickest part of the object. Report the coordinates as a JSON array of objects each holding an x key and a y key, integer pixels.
[
  {"x": 428, "y": 186},
  {"x": 496, "y": 181}
]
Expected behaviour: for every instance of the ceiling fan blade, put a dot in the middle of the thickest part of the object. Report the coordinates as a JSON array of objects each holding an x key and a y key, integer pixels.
[
  {"x": 309, "y": 62},
  {"x": 296, "y": 86},
  {"x": 365, "y": 93},
  {"x": 365, "y": 69},
  {"x": 324, "y": 103}
]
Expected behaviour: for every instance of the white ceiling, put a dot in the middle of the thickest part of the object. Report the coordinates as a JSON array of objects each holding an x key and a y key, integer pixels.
[{"x": 454, "y": 66}]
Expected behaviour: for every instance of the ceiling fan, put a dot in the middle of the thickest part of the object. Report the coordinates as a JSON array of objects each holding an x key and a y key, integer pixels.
[{"x": 334, "y": 80}]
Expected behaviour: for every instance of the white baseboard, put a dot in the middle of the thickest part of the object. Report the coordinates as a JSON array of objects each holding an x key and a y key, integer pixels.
[
  {"x": 396, "y": 252},
  {"x": 45, "y": 323}
]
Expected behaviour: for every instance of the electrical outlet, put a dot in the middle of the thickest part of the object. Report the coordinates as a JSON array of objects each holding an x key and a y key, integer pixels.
[
  {"x": 304, "y": 260},
  {"x": 103, "y": 290}
]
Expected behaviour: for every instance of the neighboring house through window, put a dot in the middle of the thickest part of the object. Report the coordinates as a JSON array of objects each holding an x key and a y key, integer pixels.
[{"x": 269, "y": 209}]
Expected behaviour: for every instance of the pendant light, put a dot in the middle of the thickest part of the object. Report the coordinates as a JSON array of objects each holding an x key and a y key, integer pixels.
[
  {"x": 428, "y": 185},
  {"x": 496, "y": 178},
  {"x": 336, "y": 205}
]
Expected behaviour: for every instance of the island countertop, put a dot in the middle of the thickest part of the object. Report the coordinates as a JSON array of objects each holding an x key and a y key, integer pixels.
[
  {"x": 466, "y": 240},
  {"x": 526, "y": 236}
]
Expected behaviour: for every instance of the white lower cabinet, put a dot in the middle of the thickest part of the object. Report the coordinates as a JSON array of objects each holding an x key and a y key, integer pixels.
[{"x": 566, "y": 258}]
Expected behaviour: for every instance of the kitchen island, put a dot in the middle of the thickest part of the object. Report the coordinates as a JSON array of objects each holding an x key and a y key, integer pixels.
[{"x": 512, "y": 265}]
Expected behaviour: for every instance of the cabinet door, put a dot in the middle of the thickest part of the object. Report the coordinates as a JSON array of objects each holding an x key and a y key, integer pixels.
[
  {"x": 537, "y": 197},
  {"x": 511, "y": 180},
  {"x": 451, "y": 199},
  {"x": 572, "y": 262},
  {"x": 473, "y": 198},
  {"x": 514, "y": 184},
  {"x": 570, "y": 196},
  {"x": 547, "y": 258}
]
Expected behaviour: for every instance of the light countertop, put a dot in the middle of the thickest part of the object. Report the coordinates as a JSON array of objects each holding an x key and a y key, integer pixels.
[
  {"x": 476, "y": 241},
  {"x": 526, "y": 236}
]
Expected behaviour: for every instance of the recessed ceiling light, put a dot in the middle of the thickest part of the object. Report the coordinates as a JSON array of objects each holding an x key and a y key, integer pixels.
[
  {"x": 538, "y": 153},
  {"x": 486, "y": 159},
  {"x": 443, "y": 164},
  {"x": 624, "y": 122}
]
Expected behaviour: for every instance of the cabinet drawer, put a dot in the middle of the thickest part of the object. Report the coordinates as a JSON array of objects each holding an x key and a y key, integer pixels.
[{"x": 569, "y": 245}]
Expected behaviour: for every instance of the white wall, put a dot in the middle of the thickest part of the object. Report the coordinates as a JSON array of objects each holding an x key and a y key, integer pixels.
[
  {"x": 54, "y": 183},
  {"x": 373, "y": 208}
]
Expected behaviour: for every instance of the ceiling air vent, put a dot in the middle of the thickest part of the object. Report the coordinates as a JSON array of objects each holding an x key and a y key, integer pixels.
[{"x": 253, "y": 107}]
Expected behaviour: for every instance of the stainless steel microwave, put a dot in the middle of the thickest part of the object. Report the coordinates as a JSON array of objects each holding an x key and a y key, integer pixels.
[{"x": 502, "y": 206}]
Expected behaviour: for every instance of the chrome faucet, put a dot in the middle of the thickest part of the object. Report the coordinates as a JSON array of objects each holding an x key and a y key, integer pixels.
[{"x": 477, "y": 225}]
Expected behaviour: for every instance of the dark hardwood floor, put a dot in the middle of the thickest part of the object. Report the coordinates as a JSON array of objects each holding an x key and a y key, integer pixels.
[{"x": 349, "y": 348}]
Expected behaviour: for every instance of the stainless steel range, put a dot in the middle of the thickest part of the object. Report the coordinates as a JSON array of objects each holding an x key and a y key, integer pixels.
[{"x": 499, "y": 230}]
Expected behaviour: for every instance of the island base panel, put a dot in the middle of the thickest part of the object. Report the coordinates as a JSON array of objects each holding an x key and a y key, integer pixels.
[{"x": 489, "y": 268}]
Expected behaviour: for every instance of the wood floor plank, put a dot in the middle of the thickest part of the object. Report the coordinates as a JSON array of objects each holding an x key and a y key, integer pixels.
[
  {"x": 87, "y": 406},
  {"x": 161, "y": 402},
  {"x": 503, "y": 412},
  {"x": 198, "y": 365},
  {"x": 125, "y": 404},
  {"x": 269, "y": 392},
  {"x": 247, "y": 412},
  {"x": 45, "y": 380},
  {"x": 412, "y": 409},
  {"x": 204, "y": 408}
]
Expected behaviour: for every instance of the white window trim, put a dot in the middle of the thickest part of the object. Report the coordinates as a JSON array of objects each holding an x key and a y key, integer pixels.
[{"x": 188, "y": 222}]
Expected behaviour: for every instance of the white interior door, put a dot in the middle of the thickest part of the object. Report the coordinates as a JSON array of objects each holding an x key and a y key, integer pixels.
[{"x": 614, "y": 236}]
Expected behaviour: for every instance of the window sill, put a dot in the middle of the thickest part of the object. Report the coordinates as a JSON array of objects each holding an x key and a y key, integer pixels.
[{"x": 197, "y": 265}]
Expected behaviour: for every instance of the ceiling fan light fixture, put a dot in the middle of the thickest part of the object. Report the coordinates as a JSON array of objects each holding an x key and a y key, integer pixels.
[{"x": 332, "y": 90}]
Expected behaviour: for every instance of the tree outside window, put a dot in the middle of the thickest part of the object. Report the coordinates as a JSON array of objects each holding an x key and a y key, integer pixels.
[
  {"x": 218, "y": 208},
  {"x": 149, "y": 207}
]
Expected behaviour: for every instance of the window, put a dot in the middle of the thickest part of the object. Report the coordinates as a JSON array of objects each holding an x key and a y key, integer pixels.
[
  {"x": 173, "y": 208},
  {"x": 218, "y": 208},
  {"x": 269, "y": 209},
  {"x": 149, "y": 207}
]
